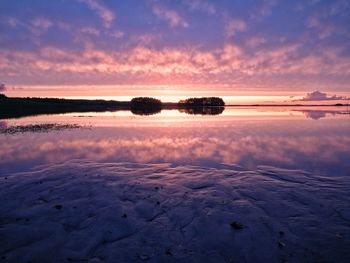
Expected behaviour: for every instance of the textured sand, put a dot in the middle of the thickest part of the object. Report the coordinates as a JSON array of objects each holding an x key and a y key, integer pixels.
[{"x": 82, "y": 211}]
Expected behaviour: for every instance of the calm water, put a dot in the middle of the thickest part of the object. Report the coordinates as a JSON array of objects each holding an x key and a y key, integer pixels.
[{"x": 311, "y": 139}]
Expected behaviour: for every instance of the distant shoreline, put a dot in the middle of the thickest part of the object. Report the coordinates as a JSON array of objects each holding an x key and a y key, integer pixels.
[{"x": 21, "y": 107}]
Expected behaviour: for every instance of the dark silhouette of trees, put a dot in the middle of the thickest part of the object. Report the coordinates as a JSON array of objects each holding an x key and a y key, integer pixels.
[
  {"x": 203, "y": 102},
  {"x": 145, "y": 106},
  {"x": 202, "y": 106},
  {"x": 20, "y": 107}
]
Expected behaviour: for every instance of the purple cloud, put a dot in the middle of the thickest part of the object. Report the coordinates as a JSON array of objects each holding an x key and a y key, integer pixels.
[{"x": 321, "y": 96}]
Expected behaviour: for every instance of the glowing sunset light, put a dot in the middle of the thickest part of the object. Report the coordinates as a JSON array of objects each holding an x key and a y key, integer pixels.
[{"x": 233, "y": 44}]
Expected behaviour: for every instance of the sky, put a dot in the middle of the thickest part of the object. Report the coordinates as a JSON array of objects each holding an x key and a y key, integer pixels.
[{"x": 175, "y": 48}]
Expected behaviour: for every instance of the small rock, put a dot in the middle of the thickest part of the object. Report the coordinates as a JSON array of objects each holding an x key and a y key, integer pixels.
[
  {"x": 236, "y": 225},
  {"x": 281, "y": 244},
  {"x": 124, "y": 216},
  {"x": 281, "y": 233},
  {"x": 58, "y": 207},
  {"x": 144, "y": 257},
  {"x": 168, "y": 252},
  {"x": 94, "y": 260},
  {"x": 339, "y": 235}
]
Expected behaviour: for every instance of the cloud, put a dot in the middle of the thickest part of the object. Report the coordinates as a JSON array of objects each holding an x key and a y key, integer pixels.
[
  {"x": 12, "y": 22},
  {"x": 200, "y": 5},
  {"x": 233, "y": 26},
  {"x": 171, "y": 16},
  {"x": 117, "y": 34},
  {"x": 189, "y": 64},
  {"x": 2, "y": 87},
  {"x": 254, "y": 42},
  {"x": 42, "y": 23},
  {"x": 321, "y": 96},
  {"x": 91, "y": 31},
  {"x": 106, "y": 15},
  {"x": 264, "y": 9},
  {"x": 324, "y": 30}
]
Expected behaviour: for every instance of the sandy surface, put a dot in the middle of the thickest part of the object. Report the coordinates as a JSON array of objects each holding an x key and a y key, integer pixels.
[{"x": 83, "y": 211}]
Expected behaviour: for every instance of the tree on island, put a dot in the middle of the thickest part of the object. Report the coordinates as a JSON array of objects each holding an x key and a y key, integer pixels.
[
  {"x": 145, "y": 105},
  {"x": 203, "y": 102}
]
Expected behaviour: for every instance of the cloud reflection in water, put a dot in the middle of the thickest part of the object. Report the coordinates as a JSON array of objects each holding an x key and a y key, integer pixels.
[{"x": 291, "y": 143}]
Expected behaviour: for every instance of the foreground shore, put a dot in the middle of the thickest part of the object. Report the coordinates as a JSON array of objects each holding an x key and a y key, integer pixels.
[{"x": 82, "y": 211}]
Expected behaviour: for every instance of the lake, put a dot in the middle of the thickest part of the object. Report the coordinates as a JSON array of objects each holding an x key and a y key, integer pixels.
[{"x": 253, "y": 184}]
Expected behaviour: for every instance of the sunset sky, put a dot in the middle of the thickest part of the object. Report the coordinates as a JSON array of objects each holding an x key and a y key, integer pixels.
[{"x": 273, "y": 49}]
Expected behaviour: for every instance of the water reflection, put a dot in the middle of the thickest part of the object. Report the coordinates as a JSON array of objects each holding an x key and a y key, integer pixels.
[
  {"x": 3, "y": 124},
  {"x": 319, "y": 114},
  {"x": 203, "y": 110},
  {"x": 277, "y": 138},
  {"x": 145, "y": 112}
]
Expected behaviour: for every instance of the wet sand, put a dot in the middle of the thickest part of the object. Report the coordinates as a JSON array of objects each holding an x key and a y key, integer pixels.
[{"x": 82, "y": 211}]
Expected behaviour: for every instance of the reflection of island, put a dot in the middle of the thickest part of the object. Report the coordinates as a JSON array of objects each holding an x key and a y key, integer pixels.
[
  {"x": 203, "y": 102},
  {"x": 203, "y": 110},
  {"x": 319, "y": 114}
]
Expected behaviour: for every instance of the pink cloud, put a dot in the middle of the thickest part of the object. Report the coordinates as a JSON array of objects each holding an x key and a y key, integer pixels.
[
  {"x": 42, "y": 23},
  {"x": 234, "y": 26},
  {"x": 91, "y": 30},
  {"x": 106, "y": 15},
  {"x": 265, "y": 9},
  {"x": 225, "y": 65},
  {"x": 118, "y": 34},
  {"x": 255, "y": 42},
  {"x": 200, "y": 5},
  {"x": 321, "y": 96},
  {"x": 171, "y": 16}
]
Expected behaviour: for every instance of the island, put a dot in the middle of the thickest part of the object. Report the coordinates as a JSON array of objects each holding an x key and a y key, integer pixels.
[{"x": 21, "y": 107}]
